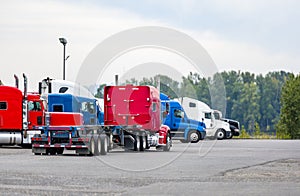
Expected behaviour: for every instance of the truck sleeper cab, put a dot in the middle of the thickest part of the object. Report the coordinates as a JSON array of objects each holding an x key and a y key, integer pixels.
[
  {"x": 136, "y": 111},
  {"x": 92, "y": 115}
]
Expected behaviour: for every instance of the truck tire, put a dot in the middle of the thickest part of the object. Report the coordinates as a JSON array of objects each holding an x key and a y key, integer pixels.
[
  {"x": 97, "y": 146},
  {"x": 193, "y": 136},
  {"x": 110, "y": 143},
  {"x": 220, "y": 134},
  {"x": 147, "y": 143},
  {"x": 60, "y": 151},
  {"x": 143, "y": 143},
  {"x": 92, "y": 147},
  {"x": 168, "y": 145},
  {"x": 230, "y": 135},
  {"x": 46, "y": 153},
  {"x": 104, "y": 144},
  {"x": 52, "y": 151},
  {"x": 136, "y": 144}
]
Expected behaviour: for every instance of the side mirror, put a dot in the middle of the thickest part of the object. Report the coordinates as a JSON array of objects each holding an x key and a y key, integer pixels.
[{"x": 182, "y": 114}]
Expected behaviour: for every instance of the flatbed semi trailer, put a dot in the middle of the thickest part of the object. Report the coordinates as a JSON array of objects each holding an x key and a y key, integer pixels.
[{"x": 85, "y": 140}]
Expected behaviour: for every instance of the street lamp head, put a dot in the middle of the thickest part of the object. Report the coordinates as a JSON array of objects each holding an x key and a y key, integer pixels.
[{"x": 63, "y": 41}]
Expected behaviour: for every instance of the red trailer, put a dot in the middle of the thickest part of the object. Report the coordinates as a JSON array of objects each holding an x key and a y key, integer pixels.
[{"x": 136, "y": 113}]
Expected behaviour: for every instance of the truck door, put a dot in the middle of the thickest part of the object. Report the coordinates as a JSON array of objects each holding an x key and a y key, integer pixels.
[
  {"x": 209, "y": 120},
  {"x": 35, "y": 114},
  {"x": 88, "y": 109},
  {"x": 178, "y": 119}
]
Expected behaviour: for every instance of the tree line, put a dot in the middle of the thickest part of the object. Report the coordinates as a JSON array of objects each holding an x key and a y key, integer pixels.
[{"x": 268, "y": 102}]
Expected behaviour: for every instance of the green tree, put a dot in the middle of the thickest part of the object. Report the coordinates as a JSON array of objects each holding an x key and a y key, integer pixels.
[
  {"x": 248, "y": 77},
  {"x": 201, "y": 87},
  {"x": 168, "y": 86},
  {"x": 233, "y": 85},
  {"x": 289, "y": 123},
  {"x": 218, "y": 95},
  {"x": 132, "y": 81},
  {"x": 247, "y": 106},
  {"x": 188, "y": 88},
  {"x": 257, "y": 132},
  {"x": 100, "y": 91},
  {"x": 270, "y": 90}
]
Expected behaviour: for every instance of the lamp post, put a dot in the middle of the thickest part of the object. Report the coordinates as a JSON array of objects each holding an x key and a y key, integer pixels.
[{"x": 64, "y": 42}]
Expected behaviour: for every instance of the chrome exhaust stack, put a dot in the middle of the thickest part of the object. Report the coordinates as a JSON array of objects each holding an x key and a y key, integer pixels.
[{"x": 16, "y": 81}]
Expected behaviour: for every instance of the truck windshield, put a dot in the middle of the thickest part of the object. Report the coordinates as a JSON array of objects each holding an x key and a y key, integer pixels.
[{"x": 217, "y": 115}]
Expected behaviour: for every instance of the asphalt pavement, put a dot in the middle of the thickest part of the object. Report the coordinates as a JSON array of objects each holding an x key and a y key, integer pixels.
[{"x": 210, "y": 167}]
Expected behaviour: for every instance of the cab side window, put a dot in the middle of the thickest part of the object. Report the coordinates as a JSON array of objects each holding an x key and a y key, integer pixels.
[
  {"x": 88, "y": 107},
  {"x": 3, "y": 105},
  {"x": 34, "y": 106},
  {"x": 154, "y": 107},
  {"x": 207, "y": 115},
  {"x": 178, "y": 113},
  {"x": 57, "y": 108}
]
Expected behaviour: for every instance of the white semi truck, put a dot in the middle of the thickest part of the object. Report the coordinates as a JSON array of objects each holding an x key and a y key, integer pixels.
[{"x": 197, "y": 110}]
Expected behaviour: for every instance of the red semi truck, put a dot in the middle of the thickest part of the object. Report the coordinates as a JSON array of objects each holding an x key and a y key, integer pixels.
[
  {"x": 20, "y": 112},
  {"x": 137, "y": 114}
]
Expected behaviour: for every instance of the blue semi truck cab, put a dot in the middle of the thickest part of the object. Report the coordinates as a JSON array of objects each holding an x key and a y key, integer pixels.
[
  {"x": 90, "y": 109},
  {"x": 182, "y": 128}
]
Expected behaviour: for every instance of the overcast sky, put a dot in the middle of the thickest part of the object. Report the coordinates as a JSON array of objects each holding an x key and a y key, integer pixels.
[{"x": 248, "y": 35}]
